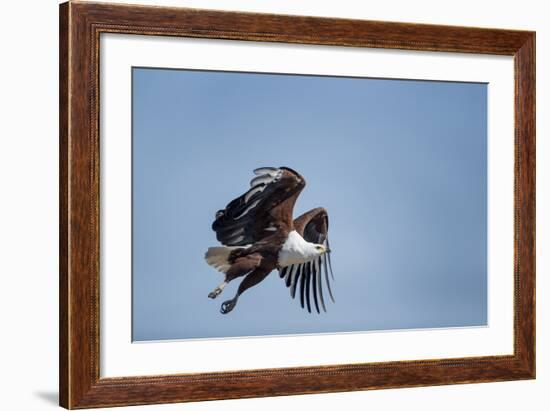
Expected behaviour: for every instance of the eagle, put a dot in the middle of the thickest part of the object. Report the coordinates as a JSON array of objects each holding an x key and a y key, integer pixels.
[{"x": 260, "y": 235}]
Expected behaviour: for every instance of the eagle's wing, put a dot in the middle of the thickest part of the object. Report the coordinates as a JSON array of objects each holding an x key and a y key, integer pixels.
[
  {"x": 265, "y": 208},
  {"x": 308, "y": 277}
]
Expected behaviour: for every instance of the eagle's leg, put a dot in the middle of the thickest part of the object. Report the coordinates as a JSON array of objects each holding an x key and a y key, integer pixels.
[
  {"x": 249, "y": 281},
  {"x": 241, "y": 267}
]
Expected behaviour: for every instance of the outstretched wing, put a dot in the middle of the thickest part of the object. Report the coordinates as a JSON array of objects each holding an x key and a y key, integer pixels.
[
  {"x": 265, "y": 208},
  {"x": 308, "y": 277}
]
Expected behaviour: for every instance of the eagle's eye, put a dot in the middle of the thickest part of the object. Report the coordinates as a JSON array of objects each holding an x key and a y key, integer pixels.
[{"x": 318, "y": 248}]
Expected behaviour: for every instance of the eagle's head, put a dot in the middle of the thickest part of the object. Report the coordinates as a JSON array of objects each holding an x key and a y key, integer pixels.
[{"x": 321, "y": 249}]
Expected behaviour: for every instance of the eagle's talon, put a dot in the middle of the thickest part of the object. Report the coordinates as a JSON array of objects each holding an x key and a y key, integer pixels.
[
  {"x": 228, "y": 306},
  {"x": 213, "y": 294}
]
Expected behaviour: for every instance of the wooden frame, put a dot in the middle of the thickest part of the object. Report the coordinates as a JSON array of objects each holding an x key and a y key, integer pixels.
[{"x": 80, "y": 28}]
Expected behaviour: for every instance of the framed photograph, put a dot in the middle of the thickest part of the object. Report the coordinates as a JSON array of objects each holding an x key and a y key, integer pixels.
[{"x": 259, "y": 205}]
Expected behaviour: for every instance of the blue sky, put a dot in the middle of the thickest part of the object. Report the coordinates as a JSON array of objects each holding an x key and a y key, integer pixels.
[{"x": 401, "y": 167}]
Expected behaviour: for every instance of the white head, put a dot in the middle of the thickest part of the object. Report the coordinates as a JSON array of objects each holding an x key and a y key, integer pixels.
[
  {"x": 296, "y": 250},
  {"x": 318, "y": 249}
]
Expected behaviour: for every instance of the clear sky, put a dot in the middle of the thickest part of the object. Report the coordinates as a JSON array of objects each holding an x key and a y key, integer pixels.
[{"x": 401, "y": 167}]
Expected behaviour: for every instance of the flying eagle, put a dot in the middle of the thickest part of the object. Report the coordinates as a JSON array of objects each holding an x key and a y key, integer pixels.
[{"x": 260, "y": 235}]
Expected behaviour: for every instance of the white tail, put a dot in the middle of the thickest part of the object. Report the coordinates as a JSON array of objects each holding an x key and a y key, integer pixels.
[{"x": 218, "y": 257}]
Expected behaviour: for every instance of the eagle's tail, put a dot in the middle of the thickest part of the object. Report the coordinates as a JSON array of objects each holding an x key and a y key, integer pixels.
[{"x": 218, "y": 257}]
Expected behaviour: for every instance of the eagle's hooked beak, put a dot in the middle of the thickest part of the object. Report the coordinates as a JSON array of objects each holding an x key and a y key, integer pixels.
[{"x": 327, "y": 250}]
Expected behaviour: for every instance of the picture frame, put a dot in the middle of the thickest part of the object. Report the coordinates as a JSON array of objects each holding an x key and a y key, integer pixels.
[{"x": 80, "y": 381}]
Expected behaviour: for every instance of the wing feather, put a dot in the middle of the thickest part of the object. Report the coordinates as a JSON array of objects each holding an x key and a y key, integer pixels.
[
  {"x": 294, "y": 281},
  {"x": 327, "y": 279},
  {"x": 266, "y": 170},
  {"x": 308, "y": 285},
  {"x": 265, "y": 208},
  {"x": 303, "y": 284},
  {"x": 314, "y": 281},
  {"x": 291, "y": 274},
  {"x": 319, "y": 276}
]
